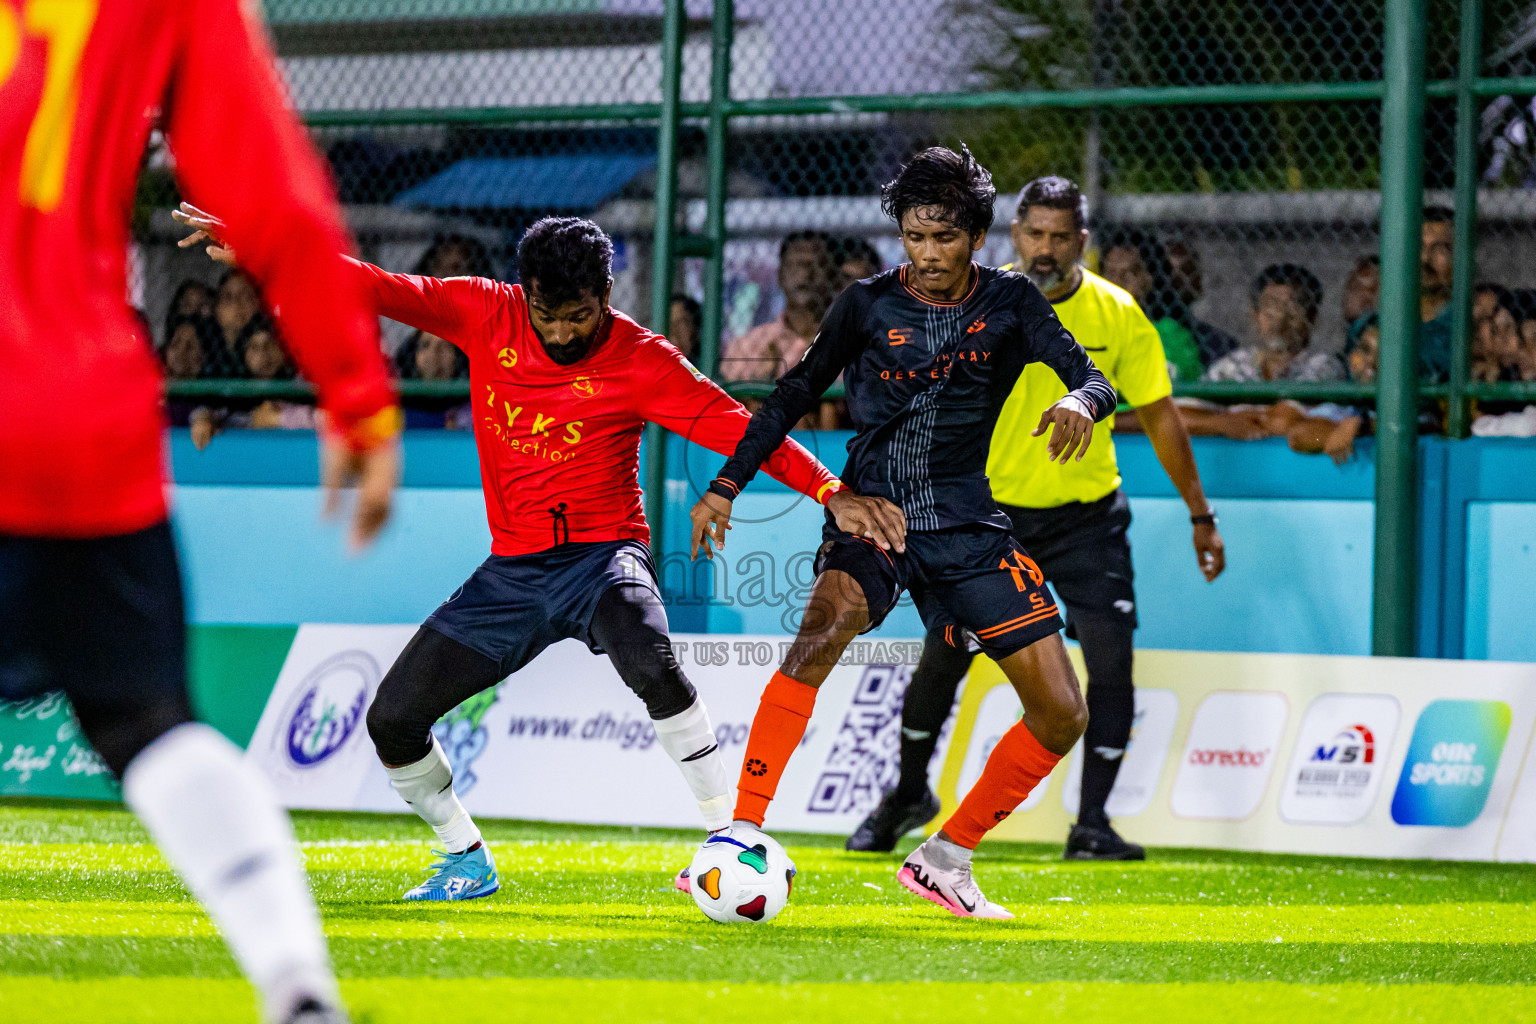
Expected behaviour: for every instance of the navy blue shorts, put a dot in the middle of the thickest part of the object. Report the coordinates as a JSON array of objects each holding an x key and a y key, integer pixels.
[
  {"x": 974, "y": 576},
  {"x": 98, "y": 619},
  {"x": 514, "y": 607}
]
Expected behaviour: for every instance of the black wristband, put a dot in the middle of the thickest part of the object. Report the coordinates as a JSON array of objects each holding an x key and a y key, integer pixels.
[{"x": 1208, "y": 519}]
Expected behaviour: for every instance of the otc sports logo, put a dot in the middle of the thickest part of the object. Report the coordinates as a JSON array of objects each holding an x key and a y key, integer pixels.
[
  {"x": 1451, "y": 763},
  {"x": 329, "y": 707}
]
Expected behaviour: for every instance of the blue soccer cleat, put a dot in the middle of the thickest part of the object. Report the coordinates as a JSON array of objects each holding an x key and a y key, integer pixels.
[{"x": 459, "y": 876}]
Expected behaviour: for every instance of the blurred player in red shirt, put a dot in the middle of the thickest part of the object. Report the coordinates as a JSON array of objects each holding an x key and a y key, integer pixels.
[
  {"x": 90, "y": 594},
  {"x": 562, "y": 385}
]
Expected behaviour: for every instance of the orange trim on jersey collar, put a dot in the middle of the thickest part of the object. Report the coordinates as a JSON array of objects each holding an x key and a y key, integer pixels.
[{"x": 975, "y": 283}]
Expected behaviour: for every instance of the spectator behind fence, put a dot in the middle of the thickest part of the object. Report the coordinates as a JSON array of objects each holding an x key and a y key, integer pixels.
[
  {"x": 856, "y": 260},
  {"x": 808, "y": 280},
  {"x": 1285, "y": 299},
  {"x": 1362, "y": 288},
  {"x": 455, "y": 255},
  {"x": 687, "y": 320},
  {"x": 427, "y": 357},
  {"x": 262, "y": 358},
  {"x": 1188, "y": 283},
  {"x": 182, "y": 354},
  {"x": 1436, "y": 263},
  {"x": 1499, "y": 353},
  {"x": 237, "y": 304},
  {"x": 1137, "y": 262},
  {"x": 1331, "y": 429},
  {"x": 192, "y": 298}
]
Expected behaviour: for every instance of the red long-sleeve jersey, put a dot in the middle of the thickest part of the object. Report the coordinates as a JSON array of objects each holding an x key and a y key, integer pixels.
[
  {"x": 81, "y": 82},
  {"x": 560, "y": 445}
]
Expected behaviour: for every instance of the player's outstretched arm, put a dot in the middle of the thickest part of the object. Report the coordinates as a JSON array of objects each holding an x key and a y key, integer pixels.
[
  {"x": 240, "y": 152},
  {"x": 837, "y": 344},
  {"x": 448, "y": 308}
]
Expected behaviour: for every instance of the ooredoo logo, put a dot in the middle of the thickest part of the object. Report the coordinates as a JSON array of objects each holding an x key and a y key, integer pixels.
[
  {"x": 1230, "y": 758},
  {"x": 1229, "y": 755},
  {"x": 1451, "y": 763},
  {"x": 1336, "y": 767}
]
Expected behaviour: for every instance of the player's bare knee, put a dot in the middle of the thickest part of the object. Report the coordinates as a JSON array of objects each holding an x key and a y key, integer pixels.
[{"x": 1059, "y": 724}]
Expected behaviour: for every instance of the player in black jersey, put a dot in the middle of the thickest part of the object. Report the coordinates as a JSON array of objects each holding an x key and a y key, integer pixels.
[{"x": 929, "y": 352}]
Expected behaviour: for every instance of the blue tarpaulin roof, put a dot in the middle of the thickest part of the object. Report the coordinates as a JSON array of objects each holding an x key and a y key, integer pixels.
[{"x": 529, "y": 182}]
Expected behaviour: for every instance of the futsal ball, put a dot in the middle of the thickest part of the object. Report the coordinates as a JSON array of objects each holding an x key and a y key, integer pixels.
[{"x": 741, "y": 876}]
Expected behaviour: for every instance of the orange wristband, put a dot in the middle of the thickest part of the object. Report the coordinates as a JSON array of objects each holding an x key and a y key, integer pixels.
[{"x": 369, "y": 432}]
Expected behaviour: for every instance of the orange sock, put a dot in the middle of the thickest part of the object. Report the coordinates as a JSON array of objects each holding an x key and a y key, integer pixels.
[
  {"x": 1015, "y": 767},
  {"x": 777, "y": 730}
]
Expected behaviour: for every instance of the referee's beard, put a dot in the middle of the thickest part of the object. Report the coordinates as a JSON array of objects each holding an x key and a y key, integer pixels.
[{"x": 1046, "y": 273}]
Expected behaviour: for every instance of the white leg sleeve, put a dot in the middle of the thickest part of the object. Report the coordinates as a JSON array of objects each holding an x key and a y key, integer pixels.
[
  {"x": 427, "y": 786},
  {"x": 218, "y": 823},
  {"x": 688, "y": 738}
]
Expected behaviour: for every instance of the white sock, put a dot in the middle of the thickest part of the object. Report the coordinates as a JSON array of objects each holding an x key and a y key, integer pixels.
[
  {"x": 217, "y": 821},
  {"x": 688, "y": 738},
  {"x": 427, "y": 786},
  {"x": 946, "y": 855}
]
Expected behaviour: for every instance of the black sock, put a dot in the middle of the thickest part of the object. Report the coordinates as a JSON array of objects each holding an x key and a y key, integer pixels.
[
  {"x": 1107, "y": 651},
  {"x": 930, "y": 698}
]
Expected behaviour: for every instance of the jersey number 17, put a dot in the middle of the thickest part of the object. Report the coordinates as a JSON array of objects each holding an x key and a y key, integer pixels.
[{"x": 66, "y": 25}]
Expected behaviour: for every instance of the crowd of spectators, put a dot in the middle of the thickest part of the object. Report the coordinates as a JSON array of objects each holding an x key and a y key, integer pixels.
[{"x": 223, "y": 333}]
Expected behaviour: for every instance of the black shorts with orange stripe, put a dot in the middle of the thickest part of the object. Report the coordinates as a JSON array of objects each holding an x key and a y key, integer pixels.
[{"x": 974, "y": 576}]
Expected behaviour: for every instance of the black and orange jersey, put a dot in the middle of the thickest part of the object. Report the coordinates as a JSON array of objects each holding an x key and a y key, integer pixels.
[{"x": 925, "y": 384}]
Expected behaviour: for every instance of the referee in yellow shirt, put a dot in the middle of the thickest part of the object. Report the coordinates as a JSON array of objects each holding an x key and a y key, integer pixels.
[{"x": 1071, "y": 519}]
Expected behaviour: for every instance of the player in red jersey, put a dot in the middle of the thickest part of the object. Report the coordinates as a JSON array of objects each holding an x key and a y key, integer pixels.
[
  {"x": 90, "y": 594},
  {"x": 562, "y": 385}
]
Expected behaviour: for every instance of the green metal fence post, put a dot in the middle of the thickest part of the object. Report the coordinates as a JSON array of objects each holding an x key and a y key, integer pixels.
[
  {"x": 1465, "y": 267},
  {"x": 714, "y": 221},
  {"x": 662, "y": 244},
  {"x": 1402, "y": 200}
]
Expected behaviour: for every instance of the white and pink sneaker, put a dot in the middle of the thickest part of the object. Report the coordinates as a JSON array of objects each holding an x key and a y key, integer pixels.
[
  {"x": 682, "y": 883},
  {"x": 951, "y": 888}
]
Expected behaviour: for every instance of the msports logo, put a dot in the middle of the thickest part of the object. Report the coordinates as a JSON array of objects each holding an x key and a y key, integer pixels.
[
  {"x": 330, "y": 705},
  {"x": 1451, "y": 763},
  {"x": 1354, "y": 745},
  {"x": 1341, "y": 763},
  {"x": 1337, "y": 763}
]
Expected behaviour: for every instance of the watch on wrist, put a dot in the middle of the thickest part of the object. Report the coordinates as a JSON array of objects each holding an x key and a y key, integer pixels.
[{"x": 1208, "y": 519}]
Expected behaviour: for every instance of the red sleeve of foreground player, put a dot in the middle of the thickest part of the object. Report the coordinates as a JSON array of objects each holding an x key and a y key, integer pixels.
[{"x": 242, "y": 154}]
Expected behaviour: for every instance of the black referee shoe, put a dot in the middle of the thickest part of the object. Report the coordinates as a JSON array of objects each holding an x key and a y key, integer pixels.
[
  {"x": 891, "y": 820},
  {"x": 1092, "y": 842}
]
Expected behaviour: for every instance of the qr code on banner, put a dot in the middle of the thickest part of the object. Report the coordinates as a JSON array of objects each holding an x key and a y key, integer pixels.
[{"x": 866, "y": 754}]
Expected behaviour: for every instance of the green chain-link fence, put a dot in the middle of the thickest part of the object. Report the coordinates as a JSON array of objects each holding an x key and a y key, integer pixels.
[{"x": 1213, "y": 139}]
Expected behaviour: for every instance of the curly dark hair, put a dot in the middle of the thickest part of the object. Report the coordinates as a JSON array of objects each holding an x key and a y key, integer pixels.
[
  {"x": 960, "y": 187},
  {"x": 567, "y": 256}
]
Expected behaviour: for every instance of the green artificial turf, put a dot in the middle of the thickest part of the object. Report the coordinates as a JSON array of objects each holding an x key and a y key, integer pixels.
[{"x": 94, "y": 927}]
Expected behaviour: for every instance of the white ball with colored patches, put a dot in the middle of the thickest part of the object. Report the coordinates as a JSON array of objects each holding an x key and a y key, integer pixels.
[{"x": 741, "y": 876}]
